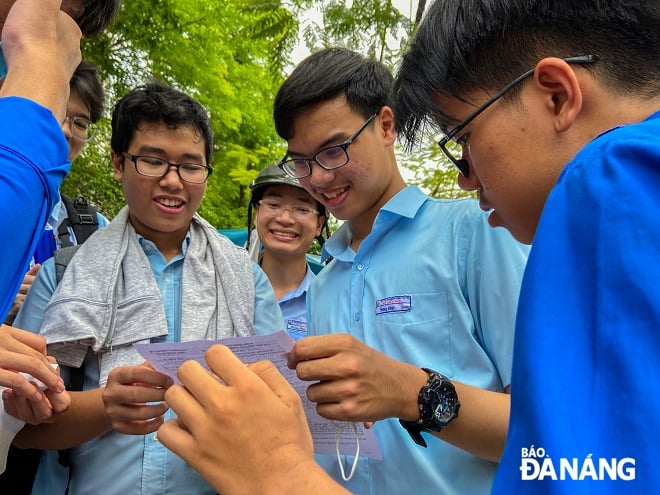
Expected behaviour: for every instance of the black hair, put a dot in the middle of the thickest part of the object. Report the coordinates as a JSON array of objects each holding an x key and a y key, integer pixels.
[
  {"x": 464, "y": 45},
  {"x": 97, "y": 15},
  {"x": 155, "y": 103},
  {"x": 85, "y": 81},
  {"x": 327, "y": 74}
]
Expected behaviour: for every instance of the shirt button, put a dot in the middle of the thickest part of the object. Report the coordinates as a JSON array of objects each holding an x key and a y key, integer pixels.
[
  {"x": 360, "y": 267},
  {"x": 357, "y": 316}
]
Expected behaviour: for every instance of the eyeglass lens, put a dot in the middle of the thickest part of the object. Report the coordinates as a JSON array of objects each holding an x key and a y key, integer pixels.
[{"x": 157, "y": 167}]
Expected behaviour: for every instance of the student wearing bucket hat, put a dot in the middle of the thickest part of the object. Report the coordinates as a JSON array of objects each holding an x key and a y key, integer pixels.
[{"x": 287, "y": 220}]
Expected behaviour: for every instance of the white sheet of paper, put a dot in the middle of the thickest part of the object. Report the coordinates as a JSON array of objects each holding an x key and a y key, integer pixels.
[{"x": 167, "y": 357}]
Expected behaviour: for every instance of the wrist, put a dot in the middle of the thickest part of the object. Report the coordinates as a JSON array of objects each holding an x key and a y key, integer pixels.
[
  {"x": 438, "y": 405},
  {"x": 410, "y": 405},
  {"x": 294, "y": 473}
]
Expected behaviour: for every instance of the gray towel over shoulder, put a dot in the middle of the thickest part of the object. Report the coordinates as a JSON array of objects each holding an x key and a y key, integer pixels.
[{"x": 108, "y": 297}]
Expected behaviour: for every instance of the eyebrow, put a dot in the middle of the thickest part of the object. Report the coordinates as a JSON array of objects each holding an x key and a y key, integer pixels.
[
  {"x": 154, "y": 149},
  {"x": 303, "y": 198},
  {"x": 79, "y": 114},
  {"x": 336, "y": 139}
]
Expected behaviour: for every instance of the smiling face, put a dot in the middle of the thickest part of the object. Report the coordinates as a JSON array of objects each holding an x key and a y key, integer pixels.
[
  {"x": 357, "y": 190},
  {"x": 161, "y": 208},
  {"x": 284, "y": 234}
]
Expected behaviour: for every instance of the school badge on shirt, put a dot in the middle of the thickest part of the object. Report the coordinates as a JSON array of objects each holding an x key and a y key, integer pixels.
[
  {"x": 296, "y": 328},
  {"x": 394, "y": 304}
]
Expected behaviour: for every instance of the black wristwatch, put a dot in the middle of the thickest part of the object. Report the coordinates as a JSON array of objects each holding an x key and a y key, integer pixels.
[{"x": 438, "y": 406}]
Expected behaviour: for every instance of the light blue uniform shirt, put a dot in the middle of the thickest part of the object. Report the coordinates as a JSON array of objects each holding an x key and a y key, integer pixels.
[
  {"x": 133, "y": 464},
  {"x": 294, "y": 307},
  {"x": 433, "y": 285}
]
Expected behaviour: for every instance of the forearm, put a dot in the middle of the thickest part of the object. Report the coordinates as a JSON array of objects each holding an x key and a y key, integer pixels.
[
  {"x": 483, "y": 418},
  {"x": 50, "y": 89},
  {"x": 482, "y": 422},
  {"x": 304, "y": 478},
  {"x": 84, "y": 420}
]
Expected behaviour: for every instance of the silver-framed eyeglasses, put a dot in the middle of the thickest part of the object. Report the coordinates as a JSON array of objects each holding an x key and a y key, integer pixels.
[
  {"x": 329, "y": 158},
  {"x": 276, "y": 208},
  {"x": 152, "y": 166},
  {"x": 455, "y": 154},
  {"x": 81, "y": 127}
]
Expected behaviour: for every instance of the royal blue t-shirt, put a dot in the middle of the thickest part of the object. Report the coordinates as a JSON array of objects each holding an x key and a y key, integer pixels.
[{"x": 586, "y": 367}]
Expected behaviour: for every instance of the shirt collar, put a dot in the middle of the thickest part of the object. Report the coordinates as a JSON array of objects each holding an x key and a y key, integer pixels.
[{"x": 406, "y": 203}]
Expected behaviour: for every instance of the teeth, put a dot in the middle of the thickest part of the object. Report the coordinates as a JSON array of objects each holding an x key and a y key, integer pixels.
[
  {"x": 172, "y": 203},
  {"x": 334, "y": 194},
  {"x": 285, "y": 234}
]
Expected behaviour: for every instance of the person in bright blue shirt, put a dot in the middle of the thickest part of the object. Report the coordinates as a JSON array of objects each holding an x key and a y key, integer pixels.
[
  {"x": 83, "y": 110},
  {"x": 287, "y": 221},
  {"x": 158, "y": 272},
  {"x": 39, "y": 52},
  {"x": 553, "y": 109},
  {"x": 414, "y": 282}
]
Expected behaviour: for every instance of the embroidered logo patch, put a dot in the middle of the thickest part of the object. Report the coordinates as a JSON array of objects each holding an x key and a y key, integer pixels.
[
  {"x": 394, "y": 304},
  {"x": 296, "y": 328}
]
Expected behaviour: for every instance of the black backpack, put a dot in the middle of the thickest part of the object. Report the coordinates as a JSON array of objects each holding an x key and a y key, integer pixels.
[{"x": 81, "y": 218}]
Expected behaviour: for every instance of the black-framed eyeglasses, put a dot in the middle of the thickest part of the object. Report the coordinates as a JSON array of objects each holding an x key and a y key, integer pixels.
[
  {"x": 81, "y": 127},
  {"x": 329, "y": 158},
  {"x": 152, "y": 166},
  {"x": 455, "y": 154}
]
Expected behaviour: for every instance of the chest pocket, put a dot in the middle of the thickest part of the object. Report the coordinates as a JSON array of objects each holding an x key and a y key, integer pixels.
[{"x": 420, "y": 334}]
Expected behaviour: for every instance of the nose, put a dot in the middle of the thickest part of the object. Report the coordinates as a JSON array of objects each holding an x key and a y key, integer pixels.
[
  {"x": 470, "y": 183},
  {"x": 286, "y": 216},
  {"x": 66, "y": 127},
  {"x": 320, "y": 175},
  {"x": 171, "y": 178}
]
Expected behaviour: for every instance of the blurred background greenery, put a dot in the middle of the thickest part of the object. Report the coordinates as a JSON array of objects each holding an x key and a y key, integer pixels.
[{"x": 232, "y": 56}]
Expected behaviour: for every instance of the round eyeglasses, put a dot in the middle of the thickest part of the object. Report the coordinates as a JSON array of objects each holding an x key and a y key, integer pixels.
[
  {"x": 329, "y": 158},
  {"x": 277, "y": 208},
  {"x": 81, "y": 128},
  {"x": 152, "y": 166},
  {"x": 455, "y": 152}
]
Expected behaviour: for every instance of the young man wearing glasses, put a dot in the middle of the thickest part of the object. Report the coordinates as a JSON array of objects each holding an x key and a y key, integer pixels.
[
  {"x": 414, "y": 282},
  {"x": 287, "y": 220},
  {"x": 558, "y": 120},
  {"x": 157, "y": 272}
]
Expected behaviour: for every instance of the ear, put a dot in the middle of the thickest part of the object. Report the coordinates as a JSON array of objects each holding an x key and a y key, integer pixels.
[
  {"x": 319, "y": 225},
  {"x": 256, "y": 213},
  {"x": 386, "y": 118},
  {"x": 117, "y": 165},
  {"x": 559, "y": 82}
]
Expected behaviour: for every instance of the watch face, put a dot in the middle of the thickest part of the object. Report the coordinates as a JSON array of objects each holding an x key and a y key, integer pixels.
[
  {"x": 438, "y": 402},
  {"x": 444, "y": 409}
]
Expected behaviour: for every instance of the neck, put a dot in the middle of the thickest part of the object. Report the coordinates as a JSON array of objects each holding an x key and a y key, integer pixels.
[
  {"x": 285, "y": 274},
  {"x": 361, "y": 225}
]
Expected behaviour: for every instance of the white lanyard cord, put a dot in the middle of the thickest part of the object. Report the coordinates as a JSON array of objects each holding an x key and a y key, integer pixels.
[{"x": 340, "y": 431}]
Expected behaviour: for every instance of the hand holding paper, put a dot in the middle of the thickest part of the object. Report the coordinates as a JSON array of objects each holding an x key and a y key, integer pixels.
[{"x": 252, "y": 418}]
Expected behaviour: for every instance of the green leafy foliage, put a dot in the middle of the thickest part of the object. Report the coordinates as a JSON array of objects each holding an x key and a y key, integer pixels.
[{"x": 232, "y": 56}]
